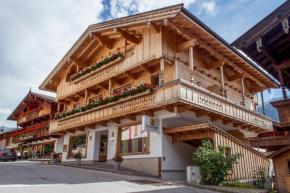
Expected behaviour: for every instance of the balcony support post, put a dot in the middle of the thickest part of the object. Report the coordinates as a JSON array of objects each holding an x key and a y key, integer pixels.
[
  {"x": 110, "y": 86},
  {"x": 86, "y": 96},
  {"x": 243, "y": 91},
  {"x": 191, "y": 63},
  {"x": 176, "y": 68},
  {"x": 222, "y": 81},
  {"x": 162, "y": 70},
  {"x": 263, "y": 105},
  {"x": 58, "y": 106},
  {"x": 282, "y": 83}
]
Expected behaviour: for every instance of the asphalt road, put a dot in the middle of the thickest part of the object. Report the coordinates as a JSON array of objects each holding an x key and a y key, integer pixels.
[{"x": 33, "y": 177}]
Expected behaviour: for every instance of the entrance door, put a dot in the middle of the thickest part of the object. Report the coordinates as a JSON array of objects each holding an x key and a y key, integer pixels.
[{"x": 103, "y": 148}]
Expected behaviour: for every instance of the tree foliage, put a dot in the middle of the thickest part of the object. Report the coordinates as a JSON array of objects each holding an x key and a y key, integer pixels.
[
  {"x": 214, "y": 164},
  {"x": 259, "y": 176}
]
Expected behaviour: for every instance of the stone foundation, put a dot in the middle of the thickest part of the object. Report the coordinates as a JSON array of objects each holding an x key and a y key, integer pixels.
[{"x": 146, "y": 165}]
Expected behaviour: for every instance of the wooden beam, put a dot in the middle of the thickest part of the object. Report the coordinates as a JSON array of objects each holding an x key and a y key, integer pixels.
[
  {"x": 130, "y": 75},
  {"x": 227, "y": 121},
  {"x": 64, "y": 102},
  {"x": 215, "y": 64},
  {"x": 149, "y": 113},
  {"x": 91, "y": 126},
  {"x": 237, "y": 124},
  {"x": 131, "y": 117},
  {"x": 169, "y": 108},
  {"x": 284, "y": 64},
  {"x": 104, "y": 41},
  {"x": 155, "y": 27},
  {"x": 78, "y": 62},
  {"x": 81, "y": 128},
  {"x": 237, "y": 77},
  {"x": 116, "y": 120},
  {"x": 215, "y": 117},
  {"x": 187, "y": 35},
  {"x": 103, "y": 123},
  {"x": 185, "y": 45},
  {"x": 200, "y": 113},
  {"x": 184, "y": 108},
  {"x": 71, "y": 130},
  {"x": 128, "y": 36},
  {"x": 257, "y": 89}
]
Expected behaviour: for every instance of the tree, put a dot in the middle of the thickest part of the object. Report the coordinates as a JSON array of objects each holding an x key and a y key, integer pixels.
[
  {"x": 259, "y": 177},
  {"x": 214, "y": 164}
]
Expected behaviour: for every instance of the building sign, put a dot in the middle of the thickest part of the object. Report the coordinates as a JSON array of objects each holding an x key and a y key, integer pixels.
[
  {"x": 150, "y": 124},
  {"x": 3, "y": 144},
  {"x": 27, "y": 137}
]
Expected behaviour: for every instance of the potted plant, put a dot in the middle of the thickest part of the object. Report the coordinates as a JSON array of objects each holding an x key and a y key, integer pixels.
[
  {"x": 78, "y": 157},
  {"x": 54, "y": 157},
  {"x": 118, "y": 159}
]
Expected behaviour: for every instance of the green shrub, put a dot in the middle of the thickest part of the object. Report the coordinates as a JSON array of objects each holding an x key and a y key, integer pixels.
[
  {"x": 238, "y": 185},
  {"x": 259, "y": 176},
  {"x": 214, "y": 164}
]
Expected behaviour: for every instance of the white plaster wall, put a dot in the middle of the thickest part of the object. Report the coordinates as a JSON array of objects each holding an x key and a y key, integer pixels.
[
  {"x": 90, "y": 146},
  {"x": 59, "y": 145},
  {"x": 155, "y": 138}
]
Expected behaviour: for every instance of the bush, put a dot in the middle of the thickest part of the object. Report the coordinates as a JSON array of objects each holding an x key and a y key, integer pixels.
[
  {"x": 259, "y": 176},
  {"x": 214, "y": 164},
  {"x": 237, "y": 184}
]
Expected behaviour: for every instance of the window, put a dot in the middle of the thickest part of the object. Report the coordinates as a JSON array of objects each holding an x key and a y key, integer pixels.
[
  {"x": 123, "y": 89},
  {"x": 95, "y": 98},
  {"x": 288, "y": 160},
  {"x": 155, "y": 80},
  {"x": 132, "y": 143},
  {"x": 48, "y": 149},
  {"x": 78, "y": 144}
]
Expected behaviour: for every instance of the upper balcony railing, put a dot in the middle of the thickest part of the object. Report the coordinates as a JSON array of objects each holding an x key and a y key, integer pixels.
[
  {"x": 114, "y": 68},
  {"x": 30, "y": 136},
  {"x": 180, "y": 91},
  {"x": 32, "y": 116},
  {"x": 271, "y": 139}
]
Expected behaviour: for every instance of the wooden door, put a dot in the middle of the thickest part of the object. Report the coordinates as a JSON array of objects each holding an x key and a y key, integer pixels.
[{"x": 103, "y": 148}]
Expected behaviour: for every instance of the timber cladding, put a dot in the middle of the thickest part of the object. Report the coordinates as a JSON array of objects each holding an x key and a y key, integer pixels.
[{"x": 250, "y": 161}]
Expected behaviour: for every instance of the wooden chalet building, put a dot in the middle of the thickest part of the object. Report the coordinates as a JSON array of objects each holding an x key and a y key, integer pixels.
[
  {"x": 202, "y": 88},
  {"x": 33, "y": 115},
  {"x": 268, "y": 44}
]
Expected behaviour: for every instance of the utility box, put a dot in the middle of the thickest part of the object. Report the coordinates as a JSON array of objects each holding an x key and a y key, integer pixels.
[{"x": 193, "y": 174}]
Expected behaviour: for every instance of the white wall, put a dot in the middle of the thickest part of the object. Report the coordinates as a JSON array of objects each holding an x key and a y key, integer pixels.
[{"x": 90, "y": 146}]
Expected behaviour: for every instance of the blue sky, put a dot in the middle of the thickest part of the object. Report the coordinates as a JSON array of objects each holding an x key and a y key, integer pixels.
[{"x": 35, "y": 35}]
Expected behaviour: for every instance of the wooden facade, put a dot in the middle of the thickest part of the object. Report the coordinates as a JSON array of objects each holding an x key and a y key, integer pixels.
[
  {"x": 192, "y": 68},
  {"x": 33, "y": 115}
]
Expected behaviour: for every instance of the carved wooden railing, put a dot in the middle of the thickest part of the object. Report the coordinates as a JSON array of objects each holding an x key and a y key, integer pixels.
[
  {"x": 41, "y": 113},
  {"x": 176, "y": 91},
  {"x": 100, "y": 75},
  {"x": 270, "y": 141},
  {"x": 28, "y": 136}
]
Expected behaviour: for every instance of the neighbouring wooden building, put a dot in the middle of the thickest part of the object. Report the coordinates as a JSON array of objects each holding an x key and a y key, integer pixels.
[
  {"x": 149, "y": 87},
  {"x": 268, "y": 44},
  {"x": 33, "y": 115}
]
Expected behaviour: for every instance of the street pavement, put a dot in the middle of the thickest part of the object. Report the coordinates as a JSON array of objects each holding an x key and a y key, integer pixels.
[{"x": 33, "y": 177}]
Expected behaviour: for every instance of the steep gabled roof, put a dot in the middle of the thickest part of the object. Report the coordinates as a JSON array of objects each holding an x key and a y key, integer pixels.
[
  {"x": 279, "y": 152},
  {"x": 36, "y": 95}
]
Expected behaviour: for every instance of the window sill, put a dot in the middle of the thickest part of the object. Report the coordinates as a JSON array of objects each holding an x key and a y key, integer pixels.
[{"x": 135, "y": 153}]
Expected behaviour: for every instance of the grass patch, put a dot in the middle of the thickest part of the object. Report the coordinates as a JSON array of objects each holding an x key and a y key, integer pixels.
[{"x": 238, "y": 185}]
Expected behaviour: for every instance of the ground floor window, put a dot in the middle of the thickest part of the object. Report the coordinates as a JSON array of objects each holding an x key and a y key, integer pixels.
[
  {"x": 78, "y": 144},
  {"x": 48, "y": 149},
  {"x": 133, "y": 140}
]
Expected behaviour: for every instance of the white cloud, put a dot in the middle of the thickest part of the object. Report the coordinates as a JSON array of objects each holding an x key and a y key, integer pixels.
[
  {"x": 121, "y": 8},
  {"x": 5, "y": 111},
  {"x": 208, "y": 7}
]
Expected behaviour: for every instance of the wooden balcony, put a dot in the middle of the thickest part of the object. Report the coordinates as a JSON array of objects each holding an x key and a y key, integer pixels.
[
  {"x": 270, "y": 141},
  {"x": 35, "y": 136},
  {"x": 38, "y": 116},
  {"x": 176, "y": 96},
  {"x": 98, "y": 78}
]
